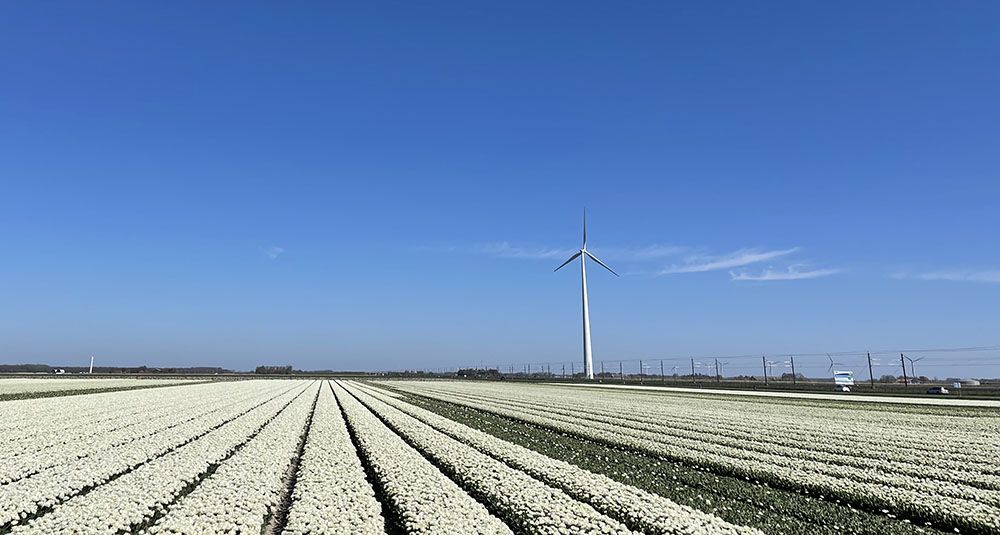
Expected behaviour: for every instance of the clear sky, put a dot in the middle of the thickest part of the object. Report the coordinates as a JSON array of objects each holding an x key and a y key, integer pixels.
[{"x": 385, "y": 185}]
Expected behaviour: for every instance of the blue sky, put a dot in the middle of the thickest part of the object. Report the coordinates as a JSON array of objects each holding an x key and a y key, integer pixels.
[{"x": 384, "y": 185}]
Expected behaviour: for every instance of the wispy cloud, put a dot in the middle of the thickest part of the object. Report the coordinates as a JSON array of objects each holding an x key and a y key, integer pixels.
[
  {"x": 638, "y": 256},
  {"x": 793, "y": 272},
  {"x": 506, "y": 250},
  {"x": 536, "y": 252},
  {"x": 273, "y": 252},
  {"x": 742, "y": 257},
  {"x": 957, "y": 275},
  {"x": 648, "y": 252}
]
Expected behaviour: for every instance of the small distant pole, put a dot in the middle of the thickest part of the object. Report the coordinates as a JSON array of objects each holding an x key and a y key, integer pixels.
[
  {"x": 793, "y": 370},
  {"x": 548, "y": 370},
  {"x": 906, "y": 381},
  {"x": 764, "y": 360},
  {"x": 564, "y": 371},
  {"x": 621, "y": 370},
  {"x": 640, "y": 371},
  {"x": 529, "y": 370},
  {"x": 663, "y": 378},
  {"x": 718, "y": 376},
  {"x": 602, "y": 368},
  {"x": 871, "y": 374},
  {"x": 572, "y": 369},
  {"x": 692, "y": 371}
]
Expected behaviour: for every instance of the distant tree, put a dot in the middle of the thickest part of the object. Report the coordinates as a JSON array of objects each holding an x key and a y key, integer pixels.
[
  {"x": 479, "y": 373},
  {"x": 887, "y": 378},
  {"x": 273, "y": 370}
]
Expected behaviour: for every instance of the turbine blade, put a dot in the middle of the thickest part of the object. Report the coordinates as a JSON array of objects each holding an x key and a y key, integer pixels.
[
  {"x": 572, "y": 258},
  {"x": 595, "y": 259},
  {"x": 584, "y": 228}
]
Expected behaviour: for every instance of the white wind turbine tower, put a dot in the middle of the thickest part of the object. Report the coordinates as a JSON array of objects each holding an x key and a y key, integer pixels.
[{"x": 583, "y": 253}]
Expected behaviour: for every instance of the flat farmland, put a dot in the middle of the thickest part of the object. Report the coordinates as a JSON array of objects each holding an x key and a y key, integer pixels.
[
  {"x": 28, "y": 387},
  {"x": 317, "y": 456}
]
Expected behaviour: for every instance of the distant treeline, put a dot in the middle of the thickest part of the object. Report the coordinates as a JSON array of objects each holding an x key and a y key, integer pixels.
[
  {"x": 45, "y": 368},
  {"x": 273, "y": 370}
]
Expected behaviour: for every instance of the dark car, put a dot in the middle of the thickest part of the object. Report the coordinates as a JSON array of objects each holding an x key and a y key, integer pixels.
[{"x": 937, "y": 390}]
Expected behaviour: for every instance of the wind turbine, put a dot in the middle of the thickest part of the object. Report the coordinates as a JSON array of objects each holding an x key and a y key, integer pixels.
[
  {"x": 918, "y": 359},
  {"x": 833, "y": 364},
  {"x": 582, "y": 254}
]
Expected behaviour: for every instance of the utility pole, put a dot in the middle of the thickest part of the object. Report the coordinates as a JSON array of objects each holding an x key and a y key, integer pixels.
[
  {"x": 663, "y": 378},
  {"x": 871, "y": 374},
  {"x": 793, "y": 370},
  {"x": 906, "y": 382},
  {"x": 602, "y": 368},
  {"x": 692, "y": 370},
  {"x": 572, "y": 369},
  {"x": 640, "y": 371},
  {"x": 529, "y": 370},
  {"x": 718, "y": 376},
  {"x": 764, "y": 360},
  {"x": 564, "y": 371},
  {"x": 621, "y": 370}
]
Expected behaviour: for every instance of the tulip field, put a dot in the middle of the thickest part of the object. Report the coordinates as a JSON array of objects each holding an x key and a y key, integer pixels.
[
  {"x": 457, "y": 457},
  {"x": 24, "y": 388}
]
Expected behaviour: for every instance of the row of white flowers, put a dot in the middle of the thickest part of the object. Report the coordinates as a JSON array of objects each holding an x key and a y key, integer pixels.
[
  {"x": 892, "y": 426},
  {"x": 965, "y": 440},
  {"x": 247, "y": 488},
  {"x": 955, "y": 482},
  {"x": 965, "y": 455},
  {"x": 921, "y": 497},
  {"x": 48, "y": 488},
  {"x": 33, "y": 385},
  {"x": 38, "y": 422},
  {"x": 138, "y": 496},
  {"x": 423, "y": 499},
  {"x": 332, "y": 495},
  {"x": 644, "y": 511},
  {"x": 22, "y": 460},
  {"x": 961, "y": 467},
  {"x": 527, "y": 504}
]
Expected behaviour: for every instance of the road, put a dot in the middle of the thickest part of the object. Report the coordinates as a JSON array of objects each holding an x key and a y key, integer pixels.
[{"x": 943, "y": 401}]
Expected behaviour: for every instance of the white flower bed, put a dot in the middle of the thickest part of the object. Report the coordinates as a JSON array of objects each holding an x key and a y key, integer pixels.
[
  {"x": 48, "y": 488},
  {"x": 808, "y": 445},
  {"x": 36, "y": 423},
  {"x": 646, "y": 511},
  {"x": 644, "y": 423},
  {"x": 332, "y": 496},
  {"x": 36, "y": 453},
  {"x": 246, "y": 489},
  {"x": 878, "y": 471},
  {"x": 524, "y": 502},
  {"x": 24, "y": 385},
  {"x": 137, "y": 496},
  {"x": 425, "y": 500}
]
